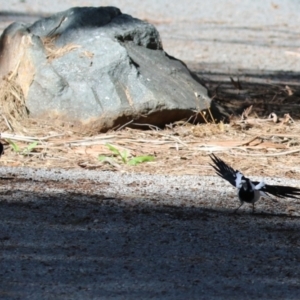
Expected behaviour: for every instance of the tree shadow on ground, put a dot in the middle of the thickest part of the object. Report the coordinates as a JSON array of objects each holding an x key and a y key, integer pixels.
[
  {"x": 71, "y": 245},
  {"x": 235, "y": 90}
]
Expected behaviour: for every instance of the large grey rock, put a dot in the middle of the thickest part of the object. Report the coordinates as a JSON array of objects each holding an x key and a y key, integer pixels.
[{"x": 99, "y": 66}]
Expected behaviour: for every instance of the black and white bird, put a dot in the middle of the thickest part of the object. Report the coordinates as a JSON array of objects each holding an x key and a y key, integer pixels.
[{"x": 251, "y": 191}]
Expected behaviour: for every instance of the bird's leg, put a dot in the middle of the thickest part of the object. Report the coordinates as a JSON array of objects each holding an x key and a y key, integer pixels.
[
  {"x": 238, "y": 207},
  {"x": 253, "y": 207}
]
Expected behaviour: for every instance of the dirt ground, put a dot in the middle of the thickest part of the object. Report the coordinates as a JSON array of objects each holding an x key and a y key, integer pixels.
[{"x": 182, "y": 148}]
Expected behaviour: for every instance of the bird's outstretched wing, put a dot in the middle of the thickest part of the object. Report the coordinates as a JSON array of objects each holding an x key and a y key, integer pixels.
[
  {"x": 280, "y": 191},
  {"x": 225, "y": 171}
]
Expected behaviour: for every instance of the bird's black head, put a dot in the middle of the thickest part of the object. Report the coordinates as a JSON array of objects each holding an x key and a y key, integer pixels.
[
  {"x": 246, "y": 184},
  {"x": 246, "y": 192},
  {"x": 240, "y": 180}
]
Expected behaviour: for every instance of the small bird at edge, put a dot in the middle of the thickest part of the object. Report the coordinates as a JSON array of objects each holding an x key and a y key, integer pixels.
[{"x": 251, "y": 191}]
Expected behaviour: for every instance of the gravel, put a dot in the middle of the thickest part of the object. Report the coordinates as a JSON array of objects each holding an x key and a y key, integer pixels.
[
  {"x": 219, "y": 35},
  {"x": 104, "y": 235}
]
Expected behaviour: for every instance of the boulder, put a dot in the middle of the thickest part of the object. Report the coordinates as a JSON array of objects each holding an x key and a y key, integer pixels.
[{"x": 97, "y": 66}]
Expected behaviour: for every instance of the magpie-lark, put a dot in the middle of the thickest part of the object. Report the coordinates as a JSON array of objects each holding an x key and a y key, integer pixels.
[{"x": 251, "y": 191}]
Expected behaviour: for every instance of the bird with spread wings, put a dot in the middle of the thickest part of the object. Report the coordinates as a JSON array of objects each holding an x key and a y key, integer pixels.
[{"x": 251, "y": 191}]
